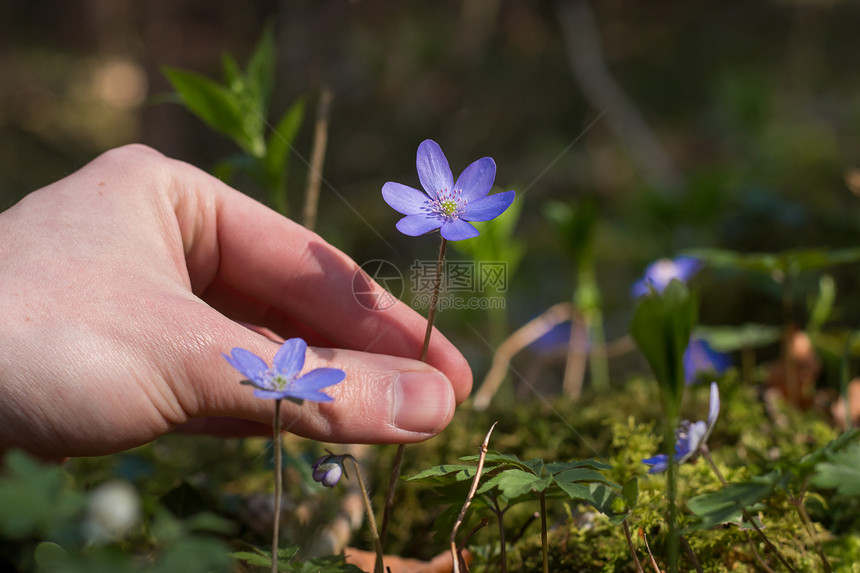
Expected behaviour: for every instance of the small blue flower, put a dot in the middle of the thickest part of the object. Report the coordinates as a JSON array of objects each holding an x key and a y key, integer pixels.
[
  {"x": 282, "y": 380},
  {"x": 661, "y": 272},
  {"x": 444, "y": 204},
  {"x": 700, "y": 359},
  {"x": 328, "y": 470},
  {"x": 689, "y": 437}
]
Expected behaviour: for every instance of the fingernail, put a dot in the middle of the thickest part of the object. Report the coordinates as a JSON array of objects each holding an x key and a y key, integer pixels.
[{"x": 422, "y": 401}]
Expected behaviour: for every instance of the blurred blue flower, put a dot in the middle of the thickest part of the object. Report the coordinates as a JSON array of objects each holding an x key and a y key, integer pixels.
[
  {"x": 701, "y": 359},
  {"x": 444, "y": 204},
  {"x": 689, "y": 437},
  {"x": 282, "y": 380},
  {"x": 661, "y": 272},
  {"x": 328, "y": 469}
]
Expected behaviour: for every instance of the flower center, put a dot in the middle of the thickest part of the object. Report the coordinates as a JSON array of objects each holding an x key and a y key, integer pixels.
[
  {"x": 277, "y": 380},
  {"x": 447, "y": 204}
]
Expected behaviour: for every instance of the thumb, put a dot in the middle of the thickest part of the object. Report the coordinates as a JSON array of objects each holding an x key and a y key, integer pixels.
[{"x": 382, "y": 399}]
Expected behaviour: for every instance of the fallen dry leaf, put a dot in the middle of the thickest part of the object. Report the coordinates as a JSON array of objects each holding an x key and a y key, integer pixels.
[{"x": 367, "y": 559}]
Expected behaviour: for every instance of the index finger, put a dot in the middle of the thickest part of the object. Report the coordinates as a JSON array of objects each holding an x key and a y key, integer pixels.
[{"x": 253, "y": 262}]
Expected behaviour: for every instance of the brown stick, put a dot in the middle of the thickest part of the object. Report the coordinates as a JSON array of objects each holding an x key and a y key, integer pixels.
[
  {"x": 469, "y": 497},
  {"x": 312, "y": 193}
]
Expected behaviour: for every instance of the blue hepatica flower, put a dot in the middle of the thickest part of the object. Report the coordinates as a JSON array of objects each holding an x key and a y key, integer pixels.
[
  {"x": 444, "y": 204},
  {"x": 661, "y": 272},
  {"x": 689, "y": 437},
  {"x": 701, "y": 359},
  {"x": 282, "y": 380}
]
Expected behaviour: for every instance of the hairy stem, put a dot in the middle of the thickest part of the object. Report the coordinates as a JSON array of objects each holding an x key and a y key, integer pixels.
[
  {"x": 276, "y": 445},
  {"x": 503, "y": 551},
  {"x": 630, "y": 546},
  {"x": 312, "y": 193},
  {"x": 544, "y": 541},
  {"x": 434, "y": 299},
  {"x": 398, "y": 458},
  {"x": 371, "y": 520}
]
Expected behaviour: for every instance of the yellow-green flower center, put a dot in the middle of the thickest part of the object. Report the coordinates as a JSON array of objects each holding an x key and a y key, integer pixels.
[{"x": 449, "y": 206}]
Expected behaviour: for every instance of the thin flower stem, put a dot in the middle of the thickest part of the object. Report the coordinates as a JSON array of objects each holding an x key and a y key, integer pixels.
[
  {"x": 276, "y": 444},
  {"x": 691, "y": 555},
  {"x": 371, "y": 520},
  {"x": 434, "y": 299},
  {"x": 630, "y": 546},
  {"x": 389, "y": 495},
  {"x": 544, "y": 541},
  {"x": 312, "y": 193},
  {"x": 707, "y": 455},
  {"x": 503, "y": 552},
  {"x": 472, "y": 490},
  {"x": 398, "y": 458},
  {"x": 797, "y": 502}
]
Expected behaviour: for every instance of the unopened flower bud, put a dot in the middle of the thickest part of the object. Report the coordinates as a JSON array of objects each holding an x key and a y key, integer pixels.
[{"x": 328, "y": 470}]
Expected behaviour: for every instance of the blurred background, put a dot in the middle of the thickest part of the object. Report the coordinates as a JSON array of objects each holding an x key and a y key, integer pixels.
[{"x": 733, "y": 124}]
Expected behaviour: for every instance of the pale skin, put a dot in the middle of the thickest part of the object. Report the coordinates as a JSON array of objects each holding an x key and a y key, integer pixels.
[{"x": 122, "y": 285}]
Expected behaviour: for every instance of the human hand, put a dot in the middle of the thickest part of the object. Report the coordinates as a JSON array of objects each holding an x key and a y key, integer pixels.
[{"x": 122, "y": 285}]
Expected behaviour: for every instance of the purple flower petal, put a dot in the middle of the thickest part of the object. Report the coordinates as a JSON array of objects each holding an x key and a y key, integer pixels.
[
  {"x": 713, "y": 407},
  {"x": 414, "y": 225},
  {"x": 659, "y": 462},
  {"x": 290, "y": 357},
  {"x": 272, "y": 394},
  {"x": 477, "y": 179},
  {"x": 433, "y": 170},
  {"x": 700, "y": 359},
  {"x": 488, "y": 207},
  {"x": 687, "y": 266},
  {"x": 248, "y": 363},
  {"x": 457, "y": 230},
  {"x": 309, "y": 395},
  {"x": 319, "y": 378},
  {"x": 404, "y": 199}
]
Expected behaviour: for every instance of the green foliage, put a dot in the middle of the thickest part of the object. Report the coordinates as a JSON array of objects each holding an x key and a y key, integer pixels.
[
  {"x": 239, "y": 109},
  {"x": 288, "y": 561},
  {"x": 725, "y": 505},
  {"x": 36, "y": 501},
  {"x": 661, "y": 326},
  {"x": 785, "y": 263},
  {"x": 841, "y": 471}
]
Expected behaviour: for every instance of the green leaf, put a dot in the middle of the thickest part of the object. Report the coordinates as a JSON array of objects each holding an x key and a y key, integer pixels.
[
  {"x": 821, "y": 307},
  {"x": 607, "y": 502},
  {"x": 234, "y": 77},
  {"x": 462, "y": 471},
  {"x": 34, "y": 499},
  {"x": 842, "y": 472},
  {"x": 497, "y": 241},
  {"x": 281, "y": 142},
  {"x": 661, "y": 326},
  {"x": 726, "y": 504},
  {"x": 514, "y": 483},
  {"x": 213, "y": 103},
  {"x": 497, "y": 459},
  {"x": 732, "y": 338},
  {"x": 557, "y": 467},
  {"x": 791, "y": 262},
  {"x": 630, "y": 492},
  {"x": 828, "y": 451},
  {"x": 261, "y": 70}
]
